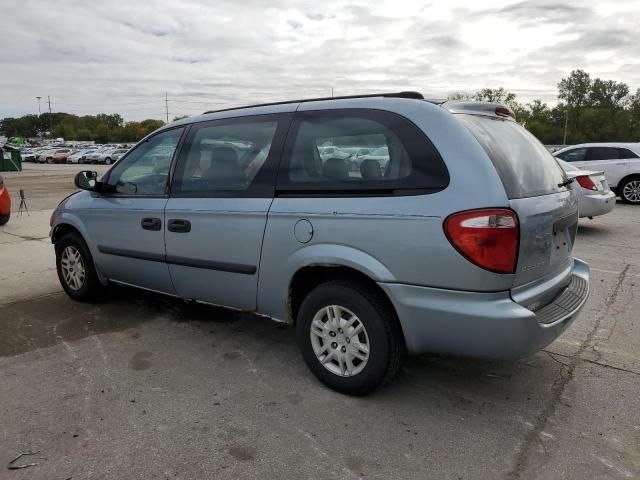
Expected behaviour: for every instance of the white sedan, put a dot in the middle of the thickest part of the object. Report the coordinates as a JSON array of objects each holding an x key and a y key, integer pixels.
[{"x": 594, "y": 195}]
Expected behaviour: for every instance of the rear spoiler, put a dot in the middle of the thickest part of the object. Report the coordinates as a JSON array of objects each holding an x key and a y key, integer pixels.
[{"x": 479, "y": 108}]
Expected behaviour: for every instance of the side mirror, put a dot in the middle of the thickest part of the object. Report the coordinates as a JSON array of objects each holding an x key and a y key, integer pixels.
[{"x": 86, "y": 180}]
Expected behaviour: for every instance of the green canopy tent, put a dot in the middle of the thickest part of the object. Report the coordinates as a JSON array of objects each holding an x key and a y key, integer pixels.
[{"x": 10, "y": 159}]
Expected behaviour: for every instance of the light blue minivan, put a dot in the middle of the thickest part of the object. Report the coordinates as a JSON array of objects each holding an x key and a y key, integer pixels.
[{"x": 377, "y": 225}]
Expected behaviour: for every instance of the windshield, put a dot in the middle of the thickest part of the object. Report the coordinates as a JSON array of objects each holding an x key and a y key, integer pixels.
[{"x": 525, "y": 167}]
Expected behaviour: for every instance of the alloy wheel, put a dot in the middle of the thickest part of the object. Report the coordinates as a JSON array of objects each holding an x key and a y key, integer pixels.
[{"x": 631, "y": 191}]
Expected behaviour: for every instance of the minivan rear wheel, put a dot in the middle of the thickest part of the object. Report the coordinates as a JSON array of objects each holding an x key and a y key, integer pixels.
[
  {"x": 349, "y": 337},
  {"x": 76, "y": 270}
]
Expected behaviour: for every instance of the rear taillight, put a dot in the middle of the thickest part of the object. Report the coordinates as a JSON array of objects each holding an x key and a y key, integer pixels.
[
  {"x": 586, "y": 182},
  {"x": 487, "y": 237}
]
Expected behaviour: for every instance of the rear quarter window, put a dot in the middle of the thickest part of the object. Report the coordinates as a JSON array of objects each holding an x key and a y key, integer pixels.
[
  {"x": 524, "y": 165},
  {"x": 359, "y": 151}
]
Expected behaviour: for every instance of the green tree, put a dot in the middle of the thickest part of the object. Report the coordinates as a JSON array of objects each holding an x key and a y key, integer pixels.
[
  {"x": 575, "y": 92},
  {"x": 84, "y": 134},
  {"x": 101, "y": 134}
]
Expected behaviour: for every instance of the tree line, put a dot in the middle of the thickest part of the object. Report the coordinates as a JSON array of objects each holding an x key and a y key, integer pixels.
[
  {"x": 102, "y": 128},
  {"x": 588, "y": 110}
]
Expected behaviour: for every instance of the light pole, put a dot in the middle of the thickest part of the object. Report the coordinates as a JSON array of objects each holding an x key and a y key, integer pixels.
[
  {"x": 39, "y": 112},
  {"x": 566, "y": 122}
]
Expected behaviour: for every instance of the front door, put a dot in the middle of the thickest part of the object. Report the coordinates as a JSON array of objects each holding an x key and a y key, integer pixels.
[
  {"x": 216, "y": 214},
  {"x": 127, "y": 221},
  {"x": 610, "y": 160}
]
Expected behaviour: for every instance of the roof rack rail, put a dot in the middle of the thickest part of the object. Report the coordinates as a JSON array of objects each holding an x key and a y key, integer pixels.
[{"x": 415, "y": 95}]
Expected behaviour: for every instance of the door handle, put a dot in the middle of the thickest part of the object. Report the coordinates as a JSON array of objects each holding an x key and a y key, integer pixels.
[
  {"x": 179, "y": 225},
  {"x": 154, "y": 224}
]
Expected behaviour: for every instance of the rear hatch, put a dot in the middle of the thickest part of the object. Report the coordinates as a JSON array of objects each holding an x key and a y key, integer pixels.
[{"x": 547, "y": 209}]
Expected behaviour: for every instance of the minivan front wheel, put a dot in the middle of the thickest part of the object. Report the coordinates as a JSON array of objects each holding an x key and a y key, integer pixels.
[
  {"x": 349, "y": 337},
  {"x": 76, "y": 271}
]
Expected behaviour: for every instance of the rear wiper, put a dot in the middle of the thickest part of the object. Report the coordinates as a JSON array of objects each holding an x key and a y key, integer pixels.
[{"x": 568, "y": 181}]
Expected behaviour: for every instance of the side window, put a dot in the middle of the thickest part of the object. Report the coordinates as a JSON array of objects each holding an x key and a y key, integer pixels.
[
  {"x": 360, "y": 150},
  {"x": 602, "y": 153},
  {"x": 145, "y": 170},
  {"x": 575, "y": 155},
  {"x": 626, "y": 153},
  {"x": 224, "y": 156}
]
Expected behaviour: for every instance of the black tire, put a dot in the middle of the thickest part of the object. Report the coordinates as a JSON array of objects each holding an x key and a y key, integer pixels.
[
  {"x": 107, "y": 161},
  {"x": 5, "y": 218},
  {"x": 91, "y": 289},
  {"x": 631, "y": 184},
  {"x": 49, "y": 160},
  {"x": 387, "y": 349}
]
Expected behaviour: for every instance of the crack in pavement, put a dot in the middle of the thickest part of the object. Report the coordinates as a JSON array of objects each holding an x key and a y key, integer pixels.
[
  {"x": 25, "y": 237},
  {"x": 552, "y": 355},
  {"x": 559, "y": 385}
]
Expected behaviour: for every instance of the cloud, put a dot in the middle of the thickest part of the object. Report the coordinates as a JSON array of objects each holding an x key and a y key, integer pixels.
[{"x": 122, "y": 56}]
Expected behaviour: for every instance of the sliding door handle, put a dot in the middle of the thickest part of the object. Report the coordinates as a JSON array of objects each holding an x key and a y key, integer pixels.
[
  {"x": 154, "y": 224},
  {"x": 178, "y": 225}
]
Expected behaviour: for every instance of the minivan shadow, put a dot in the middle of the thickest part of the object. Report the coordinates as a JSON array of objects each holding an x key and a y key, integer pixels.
[{"x": 463, "y": 381}]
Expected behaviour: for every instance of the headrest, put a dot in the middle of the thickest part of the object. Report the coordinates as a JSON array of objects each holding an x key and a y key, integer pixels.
[{"x": 335, "y": 169}]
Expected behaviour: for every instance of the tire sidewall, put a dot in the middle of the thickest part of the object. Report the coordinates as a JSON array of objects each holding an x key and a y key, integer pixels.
[{"x": 351, "y": 298}]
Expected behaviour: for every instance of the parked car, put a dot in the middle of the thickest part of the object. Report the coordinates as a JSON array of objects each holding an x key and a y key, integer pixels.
[
  {"x": 78, "y": 155},
  {"x": 94, "y": 156},
  {"x": 59, "y": 156},
  {"x": 594, "y": 195},
  {"x": 104, "y": 155},
  {"x": 5, "y": 203},
  {"x": 43, "y": 154},
  {"x": 620, "y": 163},
  {"x": 28, "y": 155},
  {"x": 117, "y": 153},
  {"x": 464, "y": 246}
]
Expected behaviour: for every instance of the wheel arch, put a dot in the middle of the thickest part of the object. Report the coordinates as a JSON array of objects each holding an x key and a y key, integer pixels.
[
  {"x": 310, "y": 276},
  {"x": 64, "y": 227},
  {"x": 629, "y": 176}
]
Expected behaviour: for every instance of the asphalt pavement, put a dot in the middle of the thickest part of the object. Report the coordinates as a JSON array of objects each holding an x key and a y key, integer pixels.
[{"x": 143, "y": 386}]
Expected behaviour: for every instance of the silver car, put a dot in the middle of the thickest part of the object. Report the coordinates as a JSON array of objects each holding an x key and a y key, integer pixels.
[
  {"x": 460, "y": 242},
  {"x": 592, "y": 189}
]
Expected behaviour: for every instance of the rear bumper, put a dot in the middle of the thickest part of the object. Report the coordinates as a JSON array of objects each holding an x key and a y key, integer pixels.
[
  {"x": 485, "y": 325},
  {"x": 594, "y": 205}
]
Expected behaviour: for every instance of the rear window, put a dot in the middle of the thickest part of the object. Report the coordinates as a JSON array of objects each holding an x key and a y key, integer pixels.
[{"x": 525, "y": 167}]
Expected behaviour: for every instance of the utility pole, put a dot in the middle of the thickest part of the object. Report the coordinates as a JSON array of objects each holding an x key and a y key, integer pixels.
[
  {"x": 39, "y": 112},
  {"x": 49, "y": 102},
  {"x": 166, "y": 104},
  {"x": 331, "y": 92},
  {"x": 566, "y": 122}
]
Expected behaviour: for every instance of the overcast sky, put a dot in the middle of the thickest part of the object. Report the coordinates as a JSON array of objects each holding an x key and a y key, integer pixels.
[{"x": 123, "y": 55}]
